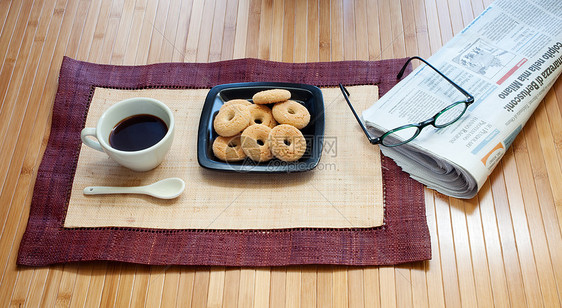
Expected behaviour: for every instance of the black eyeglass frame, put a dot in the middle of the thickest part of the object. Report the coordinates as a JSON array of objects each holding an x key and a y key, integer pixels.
[{"x": 421, "y": 125}]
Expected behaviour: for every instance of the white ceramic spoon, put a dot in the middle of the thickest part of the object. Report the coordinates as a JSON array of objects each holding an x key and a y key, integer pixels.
[{"x": 165, "y": 189}]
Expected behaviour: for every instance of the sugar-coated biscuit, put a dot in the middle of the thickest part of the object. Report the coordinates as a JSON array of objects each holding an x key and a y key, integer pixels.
[
  {"x": 231, "y": 120},
  {"x": 271, "y": 96},
  {"x": 228, "y": 148},
  {"x": 287, "y": 143},
  {"x": 255, "y": 142},
  {"x": 292, "y": 113},
  {"x": 242, "y": 102},
  {"x": 260, "y": 114}
]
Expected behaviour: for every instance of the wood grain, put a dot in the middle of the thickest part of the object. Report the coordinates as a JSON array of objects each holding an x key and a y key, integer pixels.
[{"x": 501, "y": 248}]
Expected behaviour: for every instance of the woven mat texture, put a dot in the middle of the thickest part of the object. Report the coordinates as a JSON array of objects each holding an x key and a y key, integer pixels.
[
  {"x": 403, "y": 237},
  {"x": 339, "y": 193}
]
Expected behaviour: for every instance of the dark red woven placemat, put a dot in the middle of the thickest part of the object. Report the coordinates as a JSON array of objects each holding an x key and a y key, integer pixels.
[{"x": 403, "y": 238}]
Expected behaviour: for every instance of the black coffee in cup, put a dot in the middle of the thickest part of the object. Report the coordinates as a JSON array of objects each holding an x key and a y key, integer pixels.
[{"x": 137, "y": 132}]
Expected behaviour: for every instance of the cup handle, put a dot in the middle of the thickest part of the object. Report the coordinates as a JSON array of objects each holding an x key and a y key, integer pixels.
[{"x": 90, "y": 131}]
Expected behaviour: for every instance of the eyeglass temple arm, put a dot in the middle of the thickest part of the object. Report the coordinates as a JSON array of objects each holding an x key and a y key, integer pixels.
[
  {"x": 469, "y": 97},
  {"x": 346, "y": 96}
]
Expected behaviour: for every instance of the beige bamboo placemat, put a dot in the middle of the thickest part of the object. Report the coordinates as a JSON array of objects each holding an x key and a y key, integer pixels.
[{"x": 344, "y": 191}]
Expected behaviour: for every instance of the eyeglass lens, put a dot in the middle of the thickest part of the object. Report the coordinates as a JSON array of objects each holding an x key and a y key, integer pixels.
[
  {"x": 450, "y": 114},
  {"x": 400, "y": 135}
]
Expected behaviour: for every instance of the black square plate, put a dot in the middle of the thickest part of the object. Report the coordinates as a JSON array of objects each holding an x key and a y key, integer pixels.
[{"x": 309, "y": 96}]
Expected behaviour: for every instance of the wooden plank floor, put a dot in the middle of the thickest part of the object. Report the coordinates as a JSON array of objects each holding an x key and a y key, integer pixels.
[{"x": 501, "y": 248}]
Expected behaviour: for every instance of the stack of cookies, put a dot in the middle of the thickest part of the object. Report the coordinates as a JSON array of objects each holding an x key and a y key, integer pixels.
[{"x": 259, "y": 132}]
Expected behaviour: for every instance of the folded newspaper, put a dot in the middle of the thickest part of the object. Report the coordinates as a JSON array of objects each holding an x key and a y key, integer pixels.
[{"x": 507, "y": 58}]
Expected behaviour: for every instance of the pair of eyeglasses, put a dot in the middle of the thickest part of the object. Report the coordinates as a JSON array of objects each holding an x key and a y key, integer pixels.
[{"x": 406, "y": 133}]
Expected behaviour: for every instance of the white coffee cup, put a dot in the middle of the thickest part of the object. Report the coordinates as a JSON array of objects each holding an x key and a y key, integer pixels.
[{"x": 141, "y": 160}]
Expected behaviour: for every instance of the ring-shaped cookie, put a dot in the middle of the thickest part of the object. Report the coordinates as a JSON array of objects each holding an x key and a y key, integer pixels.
[
  {"x": 231, "y": 120},
  {"x": 260, "y": 114},
  {"x": 228, "y": 148},
  {"x": 242, "y": 102},
  {"x": 287, "y": 143},
  {"x": 255, "y": 142},
  {"x": 292, "y": 113},
  {"x": 271, "y": 96}
]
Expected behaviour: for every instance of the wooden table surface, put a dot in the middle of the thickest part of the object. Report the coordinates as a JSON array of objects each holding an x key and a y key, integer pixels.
[{"x": 501, "y": 248}]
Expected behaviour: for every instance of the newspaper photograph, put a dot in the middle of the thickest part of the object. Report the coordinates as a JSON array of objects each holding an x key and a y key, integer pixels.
[{"x": 507, "y": 58}]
